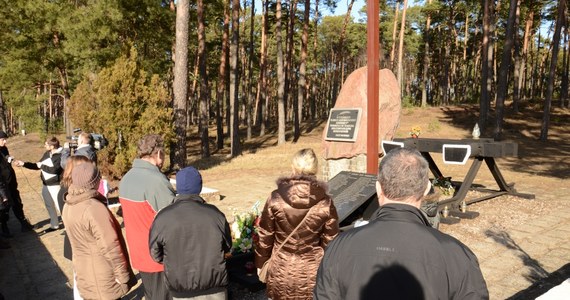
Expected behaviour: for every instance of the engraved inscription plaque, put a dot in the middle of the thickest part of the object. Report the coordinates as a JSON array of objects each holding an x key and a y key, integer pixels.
[
  {"x": 343, "y": 124},
  {"x": 351, "y": 191}
]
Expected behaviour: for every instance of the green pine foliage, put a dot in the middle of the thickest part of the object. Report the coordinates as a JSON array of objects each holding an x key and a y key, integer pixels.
[{"x": 123, "y": 103}]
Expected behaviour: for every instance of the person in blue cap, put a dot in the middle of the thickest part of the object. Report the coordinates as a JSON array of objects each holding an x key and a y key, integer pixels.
[{"x": 190, "y": 237}]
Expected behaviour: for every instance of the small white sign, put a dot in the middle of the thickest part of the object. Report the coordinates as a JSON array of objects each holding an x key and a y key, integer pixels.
[
  {"x": 389, "y": 145},
  {"x": 456, "y": 154}
]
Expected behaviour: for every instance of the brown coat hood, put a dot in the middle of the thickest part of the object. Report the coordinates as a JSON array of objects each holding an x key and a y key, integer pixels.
[
  {"x": 100, "y": 257},
  {"x": 293, "y": 269}
]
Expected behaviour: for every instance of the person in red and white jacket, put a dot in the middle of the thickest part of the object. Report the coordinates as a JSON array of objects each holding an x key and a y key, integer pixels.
[{"x": 144, "y": 191}]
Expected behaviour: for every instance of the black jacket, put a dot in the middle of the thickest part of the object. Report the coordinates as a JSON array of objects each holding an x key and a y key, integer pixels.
[
  {"x": 190, "y": 238},
  {"x": 85, "y": 150},
  {"x": 51, "y": 167},
  {"x": 398, "y": 256},
  {"x": 8, "y": 180}
]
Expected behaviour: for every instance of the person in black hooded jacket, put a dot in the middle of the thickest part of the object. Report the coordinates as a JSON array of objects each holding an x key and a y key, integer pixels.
[
  {"x": 190, "y": 237},
  {"x": 9, "y": 191},
  {"x": 398, "y": 255}
]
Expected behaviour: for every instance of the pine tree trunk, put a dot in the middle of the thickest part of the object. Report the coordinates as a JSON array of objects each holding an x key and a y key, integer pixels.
[
  {"x": 180, "y": 84},
  {"x": 393, "y": 50},
  {"x": 204, "y": 89},
  {"x": 426, "y": 59},
  {"x": 303, "y": 65},
  {"x": 486, "y": 65},
  {"x": 565, "y": 59},
  {"x": 502, "y": 87},
  {"x": 280, "y": 77},
  {"x": 261, "y": 107},
  {"x": 401, "y": 47},
  {"x": 221, "y": 88},
  {"x": 3, "y": 120},
  {"x": 234, "y": 82},
  {"x": 552, "y": 72},
  {"x": 517, "y": 62}
]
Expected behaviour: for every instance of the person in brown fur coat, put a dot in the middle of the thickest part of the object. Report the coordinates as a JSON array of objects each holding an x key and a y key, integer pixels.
[{"x": 294, "y": 267}]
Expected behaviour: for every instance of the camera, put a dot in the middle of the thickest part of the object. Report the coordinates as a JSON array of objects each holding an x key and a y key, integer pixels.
[
  {"x": 98, "y": 141},
  {"x": 72, "y": 140}
]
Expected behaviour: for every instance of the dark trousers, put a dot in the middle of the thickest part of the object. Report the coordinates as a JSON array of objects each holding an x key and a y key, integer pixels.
[
  {"x": 14, "y": 202},
  {"x": 154, "y": 286}
]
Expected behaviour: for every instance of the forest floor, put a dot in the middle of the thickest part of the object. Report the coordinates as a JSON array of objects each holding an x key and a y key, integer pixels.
[{"x": 496, "y": 234}]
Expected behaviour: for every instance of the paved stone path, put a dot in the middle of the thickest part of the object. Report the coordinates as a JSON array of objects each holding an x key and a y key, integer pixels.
[{"x": 520, "y": 262}]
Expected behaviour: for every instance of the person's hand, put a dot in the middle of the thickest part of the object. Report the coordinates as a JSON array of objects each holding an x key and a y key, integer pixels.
[
  {"x": 66, "y": 145},
  {"x": 19, "y": 163}
]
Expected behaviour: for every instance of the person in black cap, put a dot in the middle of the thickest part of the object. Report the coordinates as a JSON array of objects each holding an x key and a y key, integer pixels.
[
  {"x": 190, "y": 225},
  {"x": 9, "y": 193}
]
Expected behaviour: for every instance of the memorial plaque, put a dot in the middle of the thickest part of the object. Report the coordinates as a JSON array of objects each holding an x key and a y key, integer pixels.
[
  {"x": 353, "y": 193},
  {"x": 343, "y": 124}
]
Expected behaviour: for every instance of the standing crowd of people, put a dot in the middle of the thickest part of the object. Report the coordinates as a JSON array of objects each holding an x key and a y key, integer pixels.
[{"x": 178, "y": 243}]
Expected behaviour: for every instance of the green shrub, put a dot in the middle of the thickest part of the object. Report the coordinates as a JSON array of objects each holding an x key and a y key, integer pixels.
[{"x": 123, "y": 103}]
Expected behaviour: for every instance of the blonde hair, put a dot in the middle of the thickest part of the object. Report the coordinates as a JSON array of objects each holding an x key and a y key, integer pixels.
[{"x": 305, "y": 162}]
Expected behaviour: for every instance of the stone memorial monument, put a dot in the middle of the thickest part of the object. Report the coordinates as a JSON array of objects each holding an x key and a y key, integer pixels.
[{"x": 344, "y": 138}]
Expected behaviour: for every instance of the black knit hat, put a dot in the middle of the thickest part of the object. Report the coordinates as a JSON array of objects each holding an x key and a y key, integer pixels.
[
  {"x": 188, "y": 181},
  {"x": 3, "y": 135}
]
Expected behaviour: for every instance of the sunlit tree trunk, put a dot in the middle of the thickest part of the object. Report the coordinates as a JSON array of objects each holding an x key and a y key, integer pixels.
[
  {"x": 401, "y": 46},
  {"x": 552, "y": 72},
  {"x": 280, "y": 78},
  {"x": 517, "y": 62},
  {"x": 180, "y": 84},
  {"x": 262, "y": 83},
  {"x": 204, "y": 89},
  {"x": 565, "y": 59},
  {"x": 394, "y": 30},
  {"x": 426, "y": 59},
  {"x": 250, "y": 73},
  {"x": 303, "y": 66},
  {"x": 313, "y": 98},
  {"x": 221, "y": 88},
  {"x": 486, "y": 66},
  {"x": 503, "y": 75},
  {"x": 234, "y": 81}
]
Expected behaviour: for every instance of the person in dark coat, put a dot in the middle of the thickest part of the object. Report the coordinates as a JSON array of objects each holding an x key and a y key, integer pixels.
[
  {"x": 84, "y": 148},
  {"x": 9, "y": 191},
  {"x": 293, "y": 269},
  {"x": 190, "y": 237},
  {"x": 398, "y": 255}
]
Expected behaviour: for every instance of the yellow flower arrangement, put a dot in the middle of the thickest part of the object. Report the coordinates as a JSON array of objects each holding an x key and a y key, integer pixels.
[{"x": 416, "y": 131}]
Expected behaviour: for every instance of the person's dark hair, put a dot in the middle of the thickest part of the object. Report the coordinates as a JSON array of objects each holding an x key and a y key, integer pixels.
[
  {"x": 403, "y": 173},
  {"x": 53, "y": 141},
  {"x": 149, "y": 145}
]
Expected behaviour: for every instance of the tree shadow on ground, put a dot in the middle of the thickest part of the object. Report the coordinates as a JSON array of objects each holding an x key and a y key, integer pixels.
[
  {"x": 544, "y": 285},
  {"x": 534, "y": 156},
  {"x": 536, "y": 271},
  {"x": 541, "y": 280},
  {"x": 29, "y": 270}
]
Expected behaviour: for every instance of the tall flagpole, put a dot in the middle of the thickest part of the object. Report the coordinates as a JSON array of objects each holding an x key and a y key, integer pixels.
[{"x": 372, "y": 53}]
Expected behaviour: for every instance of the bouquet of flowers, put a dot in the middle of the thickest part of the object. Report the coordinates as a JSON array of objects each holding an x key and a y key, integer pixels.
[
  {"x": 243, "y": 230},
  {"x": 416, "y": 131},
  {"x": 444, "y": 184}
]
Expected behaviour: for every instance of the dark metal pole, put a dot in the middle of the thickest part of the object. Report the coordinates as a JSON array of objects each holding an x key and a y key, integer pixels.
[{"x": 372, "y": 53}]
